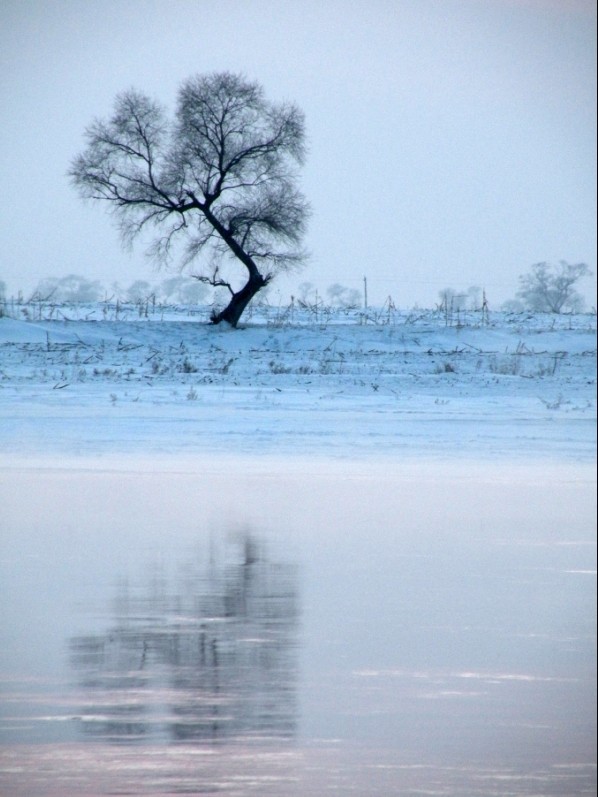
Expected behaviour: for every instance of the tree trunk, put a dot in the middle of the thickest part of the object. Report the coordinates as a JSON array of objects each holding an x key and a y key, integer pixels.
[{"x": 239, "y": 301}]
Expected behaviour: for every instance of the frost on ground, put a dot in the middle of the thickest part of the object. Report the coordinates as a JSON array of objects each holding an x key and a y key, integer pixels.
[{"x": 98, "y": 380}]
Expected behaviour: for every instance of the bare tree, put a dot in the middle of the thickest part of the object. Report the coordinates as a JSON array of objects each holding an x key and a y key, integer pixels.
[
  {"x": 452, "y": 301},
  {"x": 72, "y": 288},
  {"x": 341, "y": 296},
  {"x": 551, "y": 289},
  {"x": 220, "y": 179}
]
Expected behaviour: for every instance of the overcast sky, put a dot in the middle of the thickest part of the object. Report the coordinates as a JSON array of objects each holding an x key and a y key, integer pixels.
[{"x": 451, "y": 142}]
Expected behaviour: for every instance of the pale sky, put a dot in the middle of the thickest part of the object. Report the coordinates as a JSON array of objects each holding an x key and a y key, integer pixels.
[{"x": 451, "y": 142}]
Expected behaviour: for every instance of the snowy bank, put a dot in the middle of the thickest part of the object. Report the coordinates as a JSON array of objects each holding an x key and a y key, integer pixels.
[{"x": 81, "y": 381}]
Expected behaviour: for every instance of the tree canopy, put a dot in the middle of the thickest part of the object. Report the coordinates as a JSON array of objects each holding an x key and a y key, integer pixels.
[
  {"x": 217, "y": 183},
  {"x": 551, "y": 289}
]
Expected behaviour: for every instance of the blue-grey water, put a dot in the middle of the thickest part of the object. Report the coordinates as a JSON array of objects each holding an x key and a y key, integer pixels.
[{"x": 262, "y": 628}]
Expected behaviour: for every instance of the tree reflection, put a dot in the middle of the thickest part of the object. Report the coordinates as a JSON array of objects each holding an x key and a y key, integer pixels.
[{"x": 213, "y": 658}]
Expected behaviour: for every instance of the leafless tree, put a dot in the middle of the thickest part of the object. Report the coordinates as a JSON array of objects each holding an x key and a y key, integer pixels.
[
  {"x": 220, "y": 179},
  {"x": 551, "y": 289},
  {"x": 72, "y": 288}
]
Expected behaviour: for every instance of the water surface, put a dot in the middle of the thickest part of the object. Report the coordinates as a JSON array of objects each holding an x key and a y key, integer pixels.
[{"x": 241, "y": 627}]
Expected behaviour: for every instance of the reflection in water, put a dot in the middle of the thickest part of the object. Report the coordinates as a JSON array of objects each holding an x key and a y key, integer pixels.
[
  {"x": 447, "y": 633},
  {"x": 211, "y": 658}
]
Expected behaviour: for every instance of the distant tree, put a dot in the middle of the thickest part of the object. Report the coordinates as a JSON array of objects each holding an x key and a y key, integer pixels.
[
  {"x": 551, "y": 289},
  {"x": 139, "y": 291},
  {"x": 451, "y": 300},
  {"x": 308, "y": 293},
  {"x": 220, "y": 178},
  {"x": 72, "y": 288},
  {"x": 192, "y": 292},
  {"x": 475, "y": 297},
  {"x": 183, "y": 290},
  {"x": 513, "y": 306},
  {"x": 341, "y": 296}
]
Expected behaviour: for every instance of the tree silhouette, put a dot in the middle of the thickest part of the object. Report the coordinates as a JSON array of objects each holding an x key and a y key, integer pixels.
[
  {"x": 220, "y": 179},
  {"x": 551, "y": 289}
]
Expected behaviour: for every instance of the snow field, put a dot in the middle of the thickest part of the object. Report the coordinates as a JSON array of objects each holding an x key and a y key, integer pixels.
[{"x": 88, "y": 382}]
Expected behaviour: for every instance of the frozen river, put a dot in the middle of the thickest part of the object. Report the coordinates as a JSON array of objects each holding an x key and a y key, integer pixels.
[{"x": 260, "y": 627}]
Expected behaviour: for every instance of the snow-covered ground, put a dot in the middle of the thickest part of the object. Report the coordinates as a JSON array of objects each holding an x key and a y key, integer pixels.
[
  {"x": 431, "y": 477},
  {"x": 98, "y": 380}
]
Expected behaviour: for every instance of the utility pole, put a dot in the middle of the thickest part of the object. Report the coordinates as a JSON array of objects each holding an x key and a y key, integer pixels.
[{"x": 365, "y": 292}]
